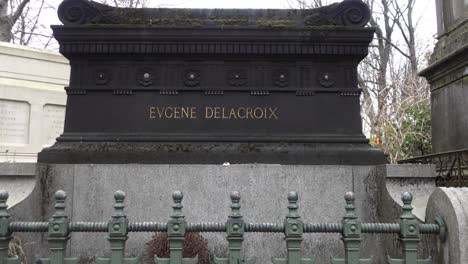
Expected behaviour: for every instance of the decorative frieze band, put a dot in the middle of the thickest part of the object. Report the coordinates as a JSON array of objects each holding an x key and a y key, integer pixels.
[{"x": 214, "y": 48}]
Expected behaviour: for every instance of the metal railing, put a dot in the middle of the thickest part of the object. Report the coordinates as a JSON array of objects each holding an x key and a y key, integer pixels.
[
  {"x": 451, "y": 167},
  {"x": 59, "y": 229}
]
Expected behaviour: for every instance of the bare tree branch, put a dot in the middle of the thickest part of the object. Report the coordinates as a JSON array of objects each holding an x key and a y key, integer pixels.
[{"x": 18, "y": 12}]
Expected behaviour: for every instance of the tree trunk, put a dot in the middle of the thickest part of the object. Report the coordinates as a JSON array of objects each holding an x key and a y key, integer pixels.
[{"x": 5, "y": 29}]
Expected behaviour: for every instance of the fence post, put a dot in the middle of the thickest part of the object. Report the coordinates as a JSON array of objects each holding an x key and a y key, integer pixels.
[
  {"x": 176, "y": 229},
  {"x": 59, "y": 233},
  {"x": 293, "y": 230},
  {"x": 5, "y": 234},
  {"x": 118, "y": 234},
  {"x": 409, "y": 235},
  {"x": 235, "y": 234},
  {"x": 351, "y": 235}
]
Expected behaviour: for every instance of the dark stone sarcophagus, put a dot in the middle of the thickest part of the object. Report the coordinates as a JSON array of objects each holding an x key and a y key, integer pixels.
[{"x": 213, "y": 85}]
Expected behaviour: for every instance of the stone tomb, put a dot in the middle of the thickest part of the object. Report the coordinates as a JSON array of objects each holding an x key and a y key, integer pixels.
[{"x": 212, "y": 86}]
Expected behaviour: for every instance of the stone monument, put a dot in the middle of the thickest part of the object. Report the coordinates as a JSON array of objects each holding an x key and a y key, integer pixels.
[
  {"x": 208, "y": 86},
  {"x": 448, "y": 77}
]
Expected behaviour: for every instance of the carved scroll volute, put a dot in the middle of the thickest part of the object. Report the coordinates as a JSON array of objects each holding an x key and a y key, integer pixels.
[
  {"x": 78, "y": 12},
  {"x": 350, "y": 13}
]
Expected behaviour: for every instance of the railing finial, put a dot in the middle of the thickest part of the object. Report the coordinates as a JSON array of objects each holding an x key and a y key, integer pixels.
[
  {"x": 177, "y": 197},
  {"x": 3, "y": 204},
  {"x": 60, "y": 198},
  {"x": 350, "y": 207},
  {"x": 407, "y": 199},
  {"x": 293, "y": 197},
  {"x": 235, "y": 205},
  {"x": 119, "y": 197}
]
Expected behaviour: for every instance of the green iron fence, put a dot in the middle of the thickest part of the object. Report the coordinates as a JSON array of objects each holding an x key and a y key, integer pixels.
[{"x": 59, "y": 229}]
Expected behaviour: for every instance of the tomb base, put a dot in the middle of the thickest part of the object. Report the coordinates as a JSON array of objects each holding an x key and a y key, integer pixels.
[{"x": 212, "y": 153}]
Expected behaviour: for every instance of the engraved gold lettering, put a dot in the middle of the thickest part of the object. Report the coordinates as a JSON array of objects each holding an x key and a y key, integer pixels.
[
  {"x": 239, "y": 111},
  {"x": 273, "y": 113},
  {"x": 217, "y": 112},
  {"x": 177, "y": 112},
  {"x": 169, "y": 112},
  {"x": 193, "y": 113},
  {"x": 259, "y": 111},
  {"x": 210, "y": 111},
  {"x": 222, "y": 114},
  {"x": 185, "y": 112},
  {"x": 249, "y": 113},
  {"x": 232, "y": 114},
  {"x": 213, "y": 112},
  {"x": 152, "y": 114},
  {"x": 160, "y": 111}
]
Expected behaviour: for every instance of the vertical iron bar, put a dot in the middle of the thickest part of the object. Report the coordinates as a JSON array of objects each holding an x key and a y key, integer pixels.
[
  {"x": 176, "y": 229},
  {"x": 352, "y": 230},
  {"x": 293, "y": 231},
  {"x": 409, "y": 235},
  {"x": 460, "y": 182},
  {"x": 5, "y": 234},
  {"x": 118, "y": 234},
  {"x": 59, "y": 233},
  {"x": 235, "y": 233}
]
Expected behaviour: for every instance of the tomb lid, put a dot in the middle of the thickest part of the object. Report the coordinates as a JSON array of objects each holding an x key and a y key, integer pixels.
[{"x": 349, "y": 13}]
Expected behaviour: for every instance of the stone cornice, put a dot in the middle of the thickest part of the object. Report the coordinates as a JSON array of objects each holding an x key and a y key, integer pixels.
[
  {"x": 449, "y": 54},
  {"x": 350, "y": 13},
  {"x": 143, "y": 40}
]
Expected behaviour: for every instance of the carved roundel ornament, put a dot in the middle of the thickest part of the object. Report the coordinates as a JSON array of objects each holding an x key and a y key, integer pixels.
[
  {"x": 237, "y": 78},
  {"x": 281, "y": 78},
  {"x": 326, "y": 79},
  {"x": 192, "y": 78},
  {"x": 102, "y": 76},
  {"x": 146, "y": 76}
]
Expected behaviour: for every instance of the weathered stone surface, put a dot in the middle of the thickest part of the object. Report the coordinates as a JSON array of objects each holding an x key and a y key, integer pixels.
[
  {"x": 263, "y": 188},
  {"x": 206, "y": 189},
  {"x": 448, "y": 77},
  {"x": 419, "y": 179},
  {"x": 18, "y": 179},
  {"x": 449, "y": 118},
  {"x": 346, "y": 13},
  {"x": 452, "y": 205},
  {"x": 212, "y": 153},
  {"x": 392, "y": 181},
  {"x": 32, "y": 100}
]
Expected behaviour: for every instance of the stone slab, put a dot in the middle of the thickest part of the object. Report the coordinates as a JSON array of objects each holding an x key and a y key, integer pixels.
[
  {"x": 410, "y": 171},
  {"x": 451, "y": 204},
  {"x": 18, "y": 179},
  {"x": 419, "y": 179}
]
